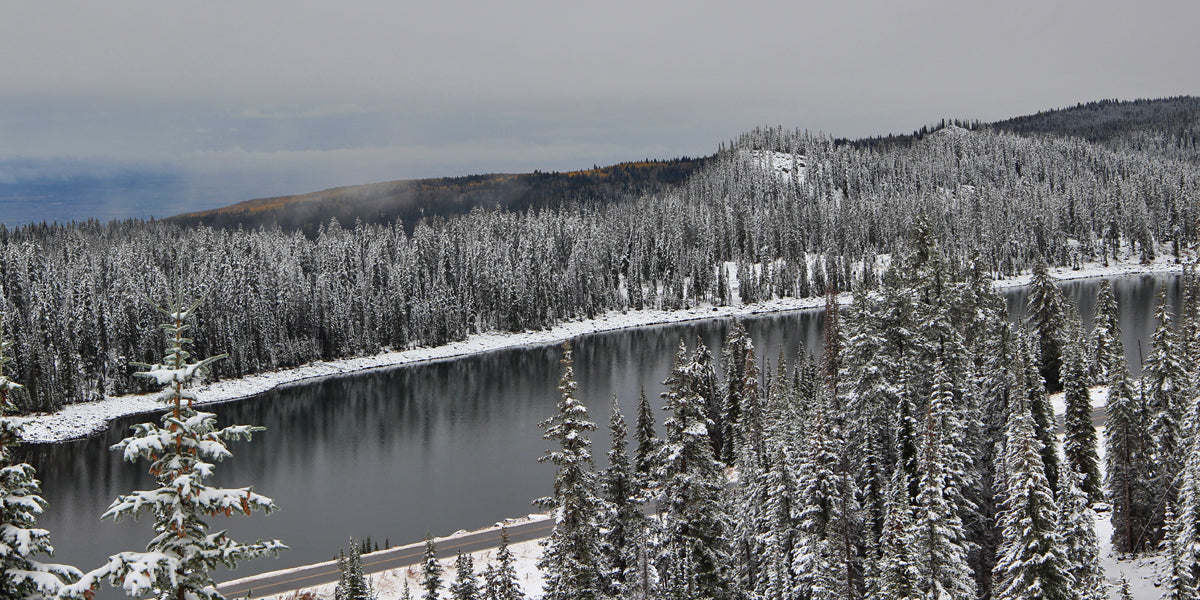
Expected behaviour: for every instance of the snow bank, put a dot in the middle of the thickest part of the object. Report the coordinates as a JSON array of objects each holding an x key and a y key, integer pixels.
[{"x": 87, "y": 418}]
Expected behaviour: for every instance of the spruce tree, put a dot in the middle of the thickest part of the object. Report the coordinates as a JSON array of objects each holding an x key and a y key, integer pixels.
[
  {"x": 897, "y": 576},
  {"x": 1177, "y": 546},
  {"x": 1077, "y": 529},
  {"x": 179, "y": 559},
  {"x": 694, "y": 518},
  {"x": 624, "y": 520},
  {"x": 1031, "y": 564},
  {"x": 647, "y": 441},
  {"x": 1105, "y": 340},
  {"x": 1079, "y": 434},
  {"x": 352, "y": 583},
  {"x": 22, "y": 577},
  {"x": 1166, "y": 383},
  {"x": 431, "y": 571},
  {"x": 1047, "y": 315},
  {"x": 571, "y": 561},
  {"x": 1042, "y": 412},
  {"x": 706, "y": 385},
  {"x": 1128, "y": 463},
  {"x": 504, "y": 584},
  {"x": 939, "y": 542},
  {"x": 738, "y": 346},
  {"x": 466, "y": 584}
]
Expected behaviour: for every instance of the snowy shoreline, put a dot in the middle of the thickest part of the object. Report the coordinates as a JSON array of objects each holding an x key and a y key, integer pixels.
[{"x": 81, "y": 420}]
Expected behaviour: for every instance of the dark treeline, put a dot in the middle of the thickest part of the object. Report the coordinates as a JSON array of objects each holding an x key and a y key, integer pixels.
[
  {"x": 918, "y": 458},
  {"x": 796, "y": 214},
  {"x": 410, "y": 201}
]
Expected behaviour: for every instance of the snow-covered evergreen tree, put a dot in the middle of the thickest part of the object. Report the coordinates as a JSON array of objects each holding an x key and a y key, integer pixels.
[
  {"x": 572, "y": 562},
  {"x": 1079, "y": 434},
  {"x": 647, "y": 440},
  {"x": 1032, "y": 564},
  {"x": 1104, "y": 343},
  {"x": 179, "y": 559},
  {"x": 431, "y": 572},
  {"x": 694, "y": 519},
  {"x": 1166, "y": 383},
  {"x": 1077, "y": 529},
  {"x": 503, "y": 583},
  {"x": 624, "y": 522},
  {"x": 1047, "y": 316},
  {"x": 1177, "y": 545},
  {"x": 738, "y": 346},
  {"x": 897, "y": 575},
  {"x": 939, "y": 542},
  {"x": 22, "y": 576},
  {"x": 352, "y": 583},
  {"x": 466, "y": 583},
  {"x": 1042, "y": 413},
  {"x": 1128, "y": 462}
]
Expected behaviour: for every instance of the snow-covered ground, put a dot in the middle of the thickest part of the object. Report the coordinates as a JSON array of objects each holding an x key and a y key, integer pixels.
[
  {"x": 389, "y": 585},
  {"x": 82, "y": 419}
]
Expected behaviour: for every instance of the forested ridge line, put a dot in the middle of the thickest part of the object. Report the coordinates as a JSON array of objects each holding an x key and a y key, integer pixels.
[
  {"x": 408, "y": 201},
  {"x": 75, "y": 295}
]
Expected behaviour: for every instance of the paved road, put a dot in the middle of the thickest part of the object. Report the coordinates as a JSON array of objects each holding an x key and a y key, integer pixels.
[{"x": 268, "y": 584}]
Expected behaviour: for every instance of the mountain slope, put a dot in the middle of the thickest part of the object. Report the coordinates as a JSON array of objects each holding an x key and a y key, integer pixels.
[{"x": 410, "y": 200}]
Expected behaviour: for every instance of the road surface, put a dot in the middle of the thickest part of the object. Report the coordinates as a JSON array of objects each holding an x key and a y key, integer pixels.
[{"x": 268, "y": 584}]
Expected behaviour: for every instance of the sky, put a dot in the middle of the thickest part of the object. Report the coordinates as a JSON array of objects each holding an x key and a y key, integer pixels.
[{"x": 221, "y": 101}]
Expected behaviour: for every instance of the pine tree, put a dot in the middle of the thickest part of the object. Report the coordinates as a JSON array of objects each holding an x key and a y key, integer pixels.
[
  {"x": 21, "y": 575},
  {"x": 1125, "y": 593},
  {"x": 1079, "y": 434},
  {"x": 694, "y": 518},
  {"x": 1177, "y": 545},
  {"x": 1105, "y": 340},
  {"x": 179, "y": 559},
  {"x": 503, "y": 584},
  {"x": 431, "y": 571},
  {"x": 466, "y": 584},
  {"x": 1047, "y": 316},
  {"x": 1042, "y": 412},
  {"x": 571, "y": 561},
  {"x": 1128, "y": 466},
  {"x": 647, "y": 440},
  {"x": 624, "y": 521},
  {"x": 898, "y": 576},
  {"x": 738, "y": 347},
  {"x": 1031, "y": 564},
  {"x": 352, "y": 583},
  {"x": 1165, "y": 384},
  {"x": 939, "y": 542},
  {"x": 1077, "y": 528}
]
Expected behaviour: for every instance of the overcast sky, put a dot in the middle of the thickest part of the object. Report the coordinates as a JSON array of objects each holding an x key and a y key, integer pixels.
[{"x": 330, "y": 93}]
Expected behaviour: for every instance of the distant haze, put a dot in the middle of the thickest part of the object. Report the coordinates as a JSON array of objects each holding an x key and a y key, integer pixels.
[{"x": 206, "y": 104}]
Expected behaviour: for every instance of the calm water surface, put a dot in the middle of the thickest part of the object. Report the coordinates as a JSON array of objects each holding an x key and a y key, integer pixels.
[{"x": 432, "y": 448}]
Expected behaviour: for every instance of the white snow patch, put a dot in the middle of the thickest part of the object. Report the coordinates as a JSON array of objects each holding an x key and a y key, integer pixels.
[{"x": 785, "y": 166}]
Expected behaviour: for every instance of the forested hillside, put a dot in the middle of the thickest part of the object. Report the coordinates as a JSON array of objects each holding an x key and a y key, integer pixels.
[
  {"x": 409, "y": 201},
  {"x": 795, "y": 213}
]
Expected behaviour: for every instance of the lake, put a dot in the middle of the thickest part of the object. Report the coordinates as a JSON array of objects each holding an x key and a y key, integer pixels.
[{"x": 396, "y": 453}]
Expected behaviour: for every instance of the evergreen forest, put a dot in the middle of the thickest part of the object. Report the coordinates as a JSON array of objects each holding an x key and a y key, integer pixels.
[{"x": 794, "y": 214}]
